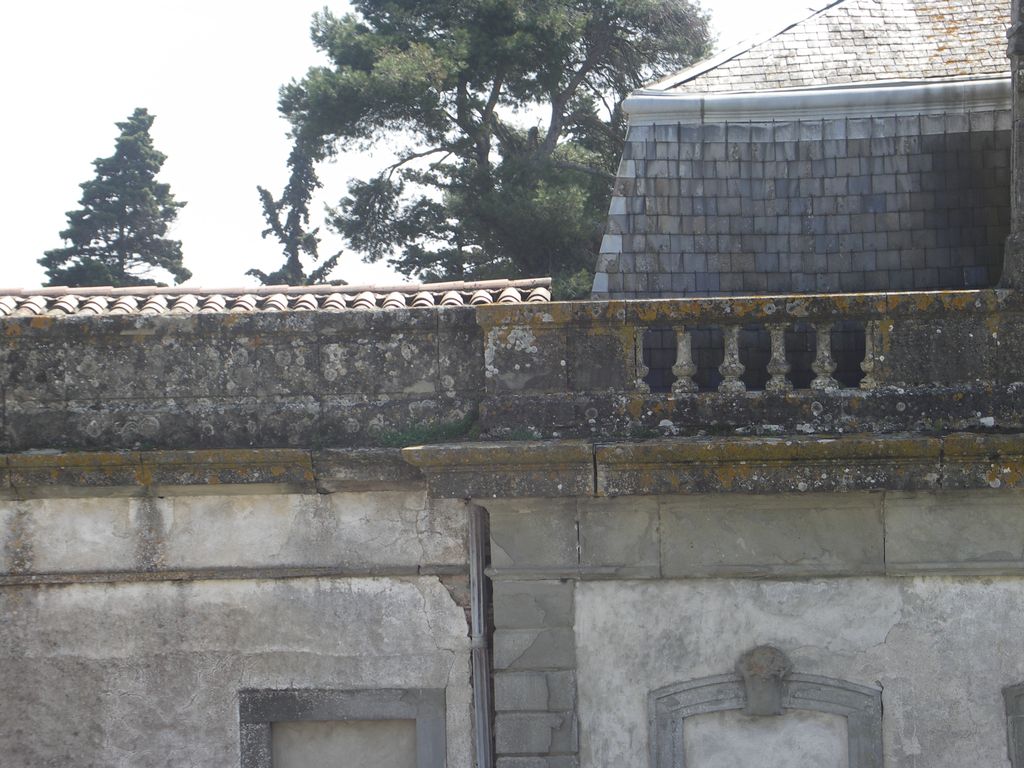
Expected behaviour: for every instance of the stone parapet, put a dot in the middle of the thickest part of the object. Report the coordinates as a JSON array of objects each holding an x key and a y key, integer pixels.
[
  {"x": 223, "y": 380},
  {"x": 926, "y": 362}
]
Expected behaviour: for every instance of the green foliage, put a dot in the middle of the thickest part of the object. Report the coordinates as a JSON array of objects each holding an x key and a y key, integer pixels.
[
  {"x": 433, "y": 432},
  {"x": 287, "y": 220},
  {"x": 451, "y": 86},
  {"x": 117, "y": 236}
]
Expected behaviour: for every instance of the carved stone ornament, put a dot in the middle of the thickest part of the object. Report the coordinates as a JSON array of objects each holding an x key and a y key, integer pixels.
[{"x": 763, "y": 670}]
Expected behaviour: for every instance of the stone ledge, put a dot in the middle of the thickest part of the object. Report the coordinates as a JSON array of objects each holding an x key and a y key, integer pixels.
[
  {"x": 216, "y": 472},
  {"x": 768, "y": 465},
  {"x": 722, "y": 464},
  {"x": 443, "y": 572},
  {"x": 539, "y": 469},
  {"x": 511, "y": 470}
]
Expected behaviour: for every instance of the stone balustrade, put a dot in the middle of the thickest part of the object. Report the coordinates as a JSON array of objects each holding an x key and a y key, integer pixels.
[{"x": 915, "y": 361}]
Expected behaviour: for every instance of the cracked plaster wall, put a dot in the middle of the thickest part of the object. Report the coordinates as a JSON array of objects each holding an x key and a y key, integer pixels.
[
  {"x": 372, "y": 530},
  {"x": 139, "y": 674},
  {"x": 941, "y": 648}
]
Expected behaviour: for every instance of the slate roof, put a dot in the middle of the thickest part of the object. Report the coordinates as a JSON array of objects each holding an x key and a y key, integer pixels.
[
  {"x": 854, "y": 41},
  {"x": 59, "y": 302}
]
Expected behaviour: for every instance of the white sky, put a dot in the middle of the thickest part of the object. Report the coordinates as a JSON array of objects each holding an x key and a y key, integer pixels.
[{"x": 210, "y": 72}]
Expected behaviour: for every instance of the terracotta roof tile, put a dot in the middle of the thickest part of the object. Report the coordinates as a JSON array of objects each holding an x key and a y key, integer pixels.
[
  {"x": 853, "y": 41},
  {"x": 61, "y": 302}
]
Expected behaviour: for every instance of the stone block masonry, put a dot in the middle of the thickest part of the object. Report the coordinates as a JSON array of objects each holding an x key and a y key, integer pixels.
[
  {"x": 892, "y": 590},
  {"x": 914, "y": 202}
]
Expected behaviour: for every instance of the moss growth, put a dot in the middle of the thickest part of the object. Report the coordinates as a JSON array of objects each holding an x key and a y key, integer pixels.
[{"x": 468, "y": 427}]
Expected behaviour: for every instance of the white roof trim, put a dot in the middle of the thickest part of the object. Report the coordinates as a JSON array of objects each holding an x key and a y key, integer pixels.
[
  {"x": 649, "y": 106},
  {"x": 720, "y": 58}
]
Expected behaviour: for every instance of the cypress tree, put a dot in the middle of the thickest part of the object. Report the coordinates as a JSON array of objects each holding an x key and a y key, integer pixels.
[{"x": 118, "y": 237}]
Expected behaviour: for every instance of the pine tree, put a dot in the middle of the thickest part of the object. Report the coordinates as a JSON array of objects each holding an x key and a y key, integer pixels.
[
  {"x": 505, "y": 119},
  {"x": 118, "y": 237},
  {"x": 287, "y": 220}
]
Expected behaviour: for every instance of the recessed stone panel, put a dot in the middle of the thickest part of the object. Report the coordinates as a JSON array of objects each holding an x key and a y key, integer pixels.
[{"x": 772, "y": 535}]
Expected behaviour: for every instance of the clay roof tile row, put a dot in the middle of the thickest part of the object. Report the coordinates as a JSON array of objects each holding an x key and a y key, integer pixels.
[{"x": 61, "y": 302}]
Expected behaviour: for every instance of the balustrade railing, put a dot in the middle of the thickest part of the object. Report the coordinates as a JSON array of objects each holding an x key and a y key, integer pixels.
[
  {"x": 774, "y": 344},
  {"x": 855, "y": 344}
]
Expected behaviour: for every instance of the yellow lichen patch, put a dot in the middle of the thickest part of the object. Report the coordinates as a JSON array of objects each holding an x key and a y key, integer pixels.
[
  {"x": 635, "y": 407},
  {"x": 1005, "y": 474},
  {"x": 101, "y": 461},
  {"x": 969, "y": 444},
  {"x": 960, "y": 301},
  {"x": 556, "y": 313},
  {"x": 230, "y": 457},
  {"x": 13, "y": 329},
  {"x": 646, "y": 312},
  {"x": 729, "y": 475}
]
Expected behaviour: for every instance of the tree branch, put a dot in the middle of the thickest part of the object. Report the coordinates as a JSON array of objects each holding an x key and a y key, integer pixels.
[
  {"x": 390, "y": 170},
  {"x": 559, "y": 99}
]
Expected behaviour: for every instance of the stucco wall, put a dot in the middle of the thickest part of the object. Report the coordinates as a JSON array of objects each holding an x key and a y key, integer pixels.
[
  {"x": 131, "y": 624},
  {"x": 382, "y": 531},
  {"x": 940, "y": 648},
  {"x": 146, "y": 675},
  {"x": 599, "y": 602},
  {"x": 903, "y": 202}
]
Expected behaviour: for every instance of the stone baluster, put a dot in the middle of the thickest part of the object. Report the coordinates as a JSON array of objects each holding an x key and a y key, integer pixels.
[
  {"x": 778, "y": 367},
  {"x": 684, "y": 368},
  {"x": 870, "y": 363},
  {"x": 824, "y": 366},
  {"x": 731, "y": 367},
  {"x": 638, "y": 356}
]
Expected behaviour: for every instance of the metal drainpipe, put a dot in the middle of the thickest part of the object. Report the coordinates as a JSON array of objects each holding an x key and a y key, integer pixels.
[{"x": 483, "y": 690}]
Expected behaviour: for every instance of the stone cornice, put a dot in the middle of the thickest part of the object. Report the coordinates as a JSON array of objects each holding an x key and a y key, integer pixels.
[
  {"x": 535, "y": 468},
  {"x": 225, "y": 471},
  {"x": 646, "y": 107},
  {"x": 722, "y": 465}
]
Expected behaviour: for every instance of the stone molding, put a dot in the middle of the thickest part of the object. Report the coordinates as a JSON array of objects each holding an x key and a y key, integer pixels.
[
  {"x": 529, "y": 469},
  {"x": 722, "y": 464},
  {"x": 258, "y": 709},
  {"x": 668, "y": 707},
  {"x": 206, "y": 472},
  {"x": 646, "y": 107},
  {"x": 492, "y": 470}
]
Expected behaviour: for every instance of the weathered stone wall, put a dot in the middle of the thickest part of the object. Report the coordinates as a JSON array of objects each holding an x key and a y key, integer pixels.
[
  {"x": 281, "y": 379},
  {"x": 131, "y": 623},
  {"x": 600, "y": 602},
  {"x": 837, "y": 205},
  {"x": 313, "y": 381}
]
